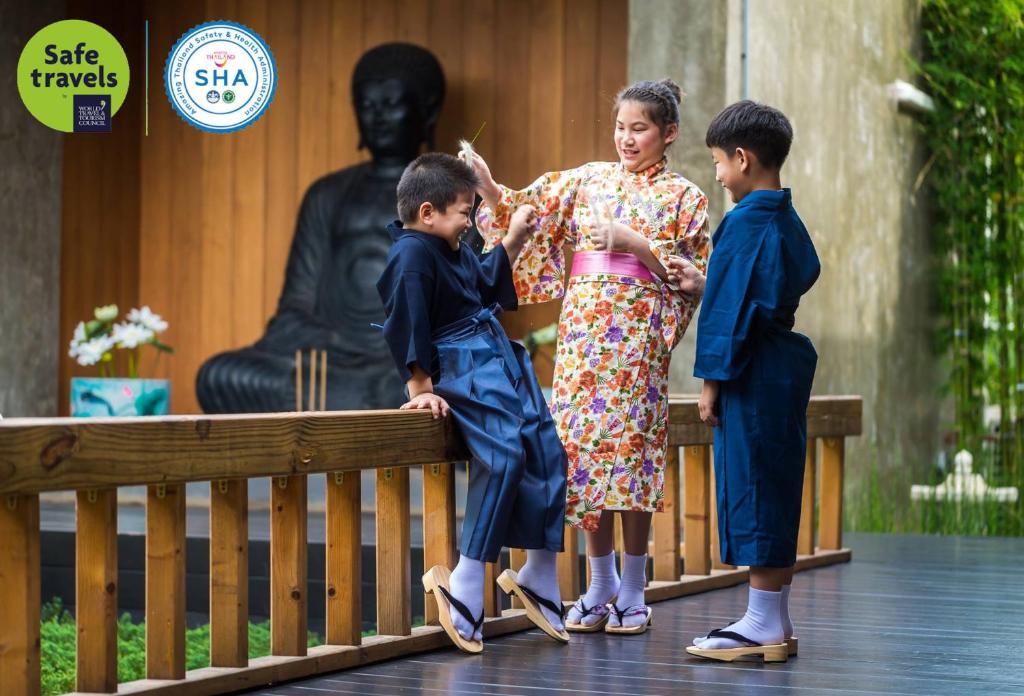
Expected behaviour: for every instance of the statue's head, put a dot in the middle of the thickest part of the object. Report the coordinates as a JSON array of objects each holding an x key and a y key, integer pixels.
[{"x": 397, "y": 92}]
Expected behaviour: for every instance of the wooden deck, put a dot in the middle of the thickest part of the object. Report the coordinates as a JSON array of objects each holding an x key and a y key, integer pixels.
[{"x": 910, "y": 615}]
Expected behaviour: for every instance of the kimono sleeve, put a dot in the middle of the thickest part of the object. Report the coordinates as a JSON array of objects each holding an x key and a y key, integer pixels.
[
  {"x": 746, "y": 280},
  {"x": 539, "y": 269},
  {"x": 495, "y": 281},
  {"x": 407, "y": 293},
  {"x": 688, "y": 238}
]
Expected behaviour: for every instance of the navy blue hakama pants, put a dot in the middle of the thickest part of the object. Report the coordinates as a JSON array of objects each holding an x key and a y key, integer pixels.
[{"x": 518, "y": 468}]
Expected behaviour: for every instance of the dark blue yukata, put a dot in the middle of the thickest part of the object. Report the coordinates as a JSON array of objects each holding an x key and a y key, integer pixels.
[
  {"x": 441, "y": 305},
  {"x": 763, "y": 262}
]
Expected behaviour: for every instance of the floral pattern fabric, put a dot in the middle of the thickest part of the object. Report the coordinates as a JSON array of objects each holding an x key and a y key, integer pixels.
[{"x": 616, "y": 333}]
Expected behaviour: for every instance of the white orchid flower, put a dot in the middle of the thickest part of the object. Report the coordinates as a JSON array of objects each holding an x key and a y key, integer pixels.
[
  {"x": 128, "y": 335},
  {"x": 91, "y": 352},
  {"x": 146, "y": 318}
]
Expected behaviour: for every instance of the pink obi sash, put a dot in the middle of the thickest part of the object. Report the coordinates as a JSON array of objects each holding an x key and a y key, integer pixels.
[{"x": 611, "y": 262}]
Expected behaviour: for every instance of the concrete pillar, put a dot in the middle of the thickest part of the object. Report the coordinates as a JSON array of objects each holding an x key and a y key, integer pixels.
[{"x": 30, "y": 228}]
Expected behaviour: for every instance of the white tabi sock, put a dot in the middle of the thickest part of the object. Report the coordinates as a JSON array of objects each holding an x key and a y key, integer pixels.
[
  {"x": 631, "y": 594},
  {"x": 762, "y": 623},
  {"x": 787, "y": 622},
  {"x": 467, "y": 586},
  {"x": 540, "y": 574},
  {"x": 604, "y": 586}
]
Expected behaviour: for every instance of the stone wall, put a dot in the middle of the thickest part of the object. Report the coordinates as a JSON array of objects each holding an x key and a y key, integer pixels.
[{"x": 853, "y": 167}]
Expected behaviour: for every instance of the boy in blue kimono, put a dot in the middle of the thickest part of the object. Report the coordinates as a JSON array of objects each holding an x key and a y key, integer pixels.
[
  {"x": 757, "y": 374},
  {"x": 441, "y": 301}
]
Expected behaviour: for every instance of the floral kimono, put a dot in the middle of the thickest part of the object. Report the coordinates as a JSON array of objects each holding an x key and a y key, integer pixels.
[{"x": 616, "y": 332}]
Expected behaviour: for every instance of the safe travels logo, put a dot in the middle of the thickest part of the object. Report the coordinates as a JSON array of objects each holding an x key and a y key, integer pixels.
[
  {"x": 73, "y": 76},
  {"x": 220, "y": 77}
]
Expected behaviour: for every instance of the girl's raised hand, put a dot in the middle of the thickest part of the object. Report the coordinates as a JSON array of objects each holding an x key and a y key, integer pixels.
[{"x": 488, "y": 188}]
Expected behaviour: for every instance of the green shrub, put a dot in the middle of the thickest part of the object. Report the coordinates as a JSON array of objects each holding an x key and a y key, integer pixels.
[{"x": 57, "y": 633}]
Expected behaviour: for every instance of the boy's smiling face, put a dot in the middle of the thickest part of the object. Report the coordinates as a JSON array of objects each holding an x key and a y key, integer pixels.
[
  {"x": 450, "y": 223},
  {"x": 731, "y": 170}
]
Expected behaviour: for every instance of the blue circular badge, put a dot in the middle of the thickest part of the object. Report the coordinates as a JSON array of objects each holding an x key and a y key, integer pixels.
[{"x": 220, "y": 76}]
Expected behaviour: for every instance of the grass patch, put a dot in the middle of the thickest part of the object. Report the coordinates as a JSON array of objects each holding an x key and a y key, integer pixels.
[
  {"x": 57, "y": 633},
  {"x": 880, "y": 502}
]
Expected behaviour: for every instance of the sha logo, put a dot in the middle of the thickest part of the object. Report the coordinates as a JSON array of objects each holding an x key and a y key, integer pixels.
[{"x": 220, "y": 77}]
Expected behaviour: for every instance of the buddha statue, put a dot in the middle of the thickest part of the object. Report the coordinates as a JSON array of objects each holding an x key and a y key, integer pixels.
[{"x": 329, "y": 300}]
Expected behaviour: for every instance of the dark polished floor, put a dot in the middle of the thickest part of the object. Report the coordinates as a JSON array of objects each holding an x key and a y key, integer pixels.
[{"x": 910, "y": 615}]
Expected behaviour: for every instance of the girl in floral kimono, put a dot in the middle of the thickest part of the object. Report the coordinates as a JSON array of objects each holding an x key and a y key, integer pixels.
[{"x": 620, "y": 320}]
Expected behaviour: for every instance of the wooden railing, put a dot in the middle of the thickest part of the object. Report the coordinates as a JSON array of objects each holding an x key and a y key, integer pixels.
[{"x": 95, "y": 456}]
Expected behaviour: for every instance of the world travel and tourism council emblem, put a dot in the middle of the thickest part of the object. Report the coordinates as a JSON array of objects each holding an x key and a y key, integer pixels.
[{"x": 220, "y": 77}]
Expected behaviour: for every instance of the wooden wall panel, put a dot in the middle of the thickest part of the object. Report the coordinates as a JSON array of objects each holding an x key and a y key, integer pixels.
[
  {"x": 99, "y": 262},
  {"x": 202, "y": 223}
]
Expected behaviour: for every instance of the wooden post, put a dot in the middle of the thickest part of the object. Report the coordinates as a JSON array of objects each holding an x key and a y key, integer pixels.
[
  {"x": 805, "y": 542},
  {"x": 288, "y": 567},
  {"x": 569, "y": 565},
  {"x": 96, "y": 590},
  {"x": 516, "y": 560},
  {"x": 492, "y": 598},
  {"x": 620, "y": 544},
  {"x": 830, "y": 530},
  {"x": 229, "y": 573},
  {"x": 394, "y": 584},
  {"x": 697, "y": 510},
  {"x": 165, "y": 582},
  {"x": 20, "y": 582},
  {"x": 667, "y": 526},
  {"x": 439, "y": 527},
  {"x": 716, "y": 552},
  {"x": 344, "y": 559}
]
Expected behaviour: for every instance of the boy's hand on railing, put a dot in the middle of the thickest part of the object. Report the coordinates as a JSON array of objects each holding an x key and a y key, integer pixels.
[
  {"x": 437, "y": 405},
  {"x": 707, "y": 405}
]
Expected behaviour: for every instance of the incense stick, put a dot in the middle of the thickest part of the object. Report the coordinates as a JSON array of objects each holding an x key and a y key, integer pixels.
[
  {"x": 323, "y": 380},
  {"x": 312, "y": 379},
  {"x": 298, "y": 380}
]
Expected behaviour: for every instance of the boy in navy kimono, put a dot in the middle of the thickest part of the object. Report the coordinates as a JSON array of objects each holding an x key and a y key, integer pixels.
[
  {"x": 441, "y": 301},
  {"x": 757, "y": 374}
]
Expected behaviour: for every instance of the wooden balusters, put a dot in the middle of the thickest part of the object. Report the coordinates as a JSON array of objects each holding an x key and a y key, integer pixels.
[
  {"x": 165, "y": 582},
  {"x": 716, "y": 552},
  {"x": 492, "y": 594},
  {"x": 438, "y": 526},
  {"x": 667, "y": 523},
  {"x": 516, "y": 560},
  {"x": 229, "y": 573},
  {"x": 96, "y": 590},
  {"x": 830, "y": 529},
  {"x": 805, "y": 542},
  {"x": 344, "y": 559},
  {"x": 569, "y": 566},
  {"x": 288, "y": 565},
  {"x": 697, "y": 510},
  {"x": 19, "y": 578},
  {"x": 394, "y": 584}
]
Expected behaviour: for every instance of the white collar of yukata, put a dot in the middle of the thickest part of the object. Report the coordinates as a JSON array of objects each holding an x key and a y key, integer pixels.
[{"x": 651, "y": 172}]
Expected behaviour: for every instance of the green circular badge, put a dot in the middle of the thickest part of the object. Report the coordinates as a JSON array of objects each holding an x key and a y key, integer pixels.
[{"x": 73, "y": 76}]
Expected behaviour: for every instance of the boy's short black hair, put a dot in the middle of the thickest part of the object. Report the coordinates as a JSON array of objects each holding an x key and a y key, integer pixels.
[
  {"x": 756, "y": 127},
  {"x": 436, "y": 178}
]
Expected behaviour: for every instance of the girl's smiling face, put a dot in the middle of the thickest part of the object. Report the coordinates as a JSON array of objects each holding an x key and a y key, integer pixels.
[{"x": 638, "y": 140}]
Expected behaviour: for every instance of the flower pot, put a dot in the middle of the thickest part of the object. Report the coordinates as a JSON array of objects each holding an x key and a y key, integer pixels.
[{"x": 114, "y": 396}]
